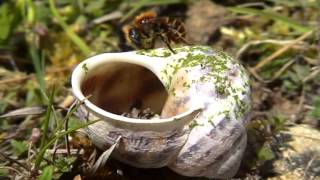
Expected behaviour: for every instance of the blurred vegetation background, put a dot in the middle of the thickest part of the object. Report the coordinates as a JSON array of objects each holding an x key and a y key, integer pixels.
[{"x": 42, "y": 40}]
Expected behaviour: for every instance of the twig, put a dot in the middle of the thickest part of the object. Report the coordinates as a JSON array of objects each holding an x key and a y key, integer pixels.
[
  {"x": 281, "y": 71},
  {"x": 255, "y": 74},
  {"x": 64, "y": 151},
  {"x": 277, "y": 75},
  {"x": 14, "y": 161},
  {"x": 55, "y": 148},
  {"x": 244, "y": 48},
  {"x": 92, "y": 158},
  {"x": 11, "y": 168},
  {"x": 108, "y": 17},
  {"x": 260, "y": 4},
  {"x": 312, "y": 75},
  {"x": 308, "y": 107},
  {"x": 280, "y": 51},
  {"x": 67, "y": 102},
  {"x": 18, "y": 79},
  {"x": 308, "y": 166},
  {"x": 312, "y": 61},
  {"x": 74, "y": 105}
]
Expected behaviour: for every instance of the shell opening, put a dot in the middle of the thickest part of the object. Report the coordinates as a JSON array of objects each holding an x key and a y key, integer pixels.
[{"x": 117, "y": 87}]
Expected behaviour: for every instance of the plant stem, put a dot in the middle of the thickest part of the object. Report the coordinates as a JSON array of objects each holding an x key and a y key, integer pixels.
[
  {"x": 43, "y": 150},
  {"x": 46, "y": 120}
]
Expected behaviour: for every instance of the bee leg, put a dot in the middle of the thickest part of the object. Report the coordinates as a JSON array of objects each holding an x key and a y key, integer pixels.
[
  {"x": 186, "y": 42},
  {"x": 181, "y": 37},
  {"x": 165, "y": 40}
]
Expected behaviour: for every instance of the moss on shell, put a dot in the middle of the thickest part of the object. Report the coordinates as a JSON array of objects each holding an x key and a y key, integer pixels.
[{"x": 215, "y": 65}]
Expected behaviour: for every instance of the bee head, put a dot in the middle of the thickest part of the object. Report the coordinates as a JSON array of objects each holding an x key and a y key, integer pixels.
[{"x": 137, "y": 39}]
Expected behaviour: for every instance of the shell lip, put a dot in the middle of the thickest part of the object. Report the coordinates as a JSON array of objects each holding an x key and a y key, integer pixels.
[{"x": 79, "y": 73}]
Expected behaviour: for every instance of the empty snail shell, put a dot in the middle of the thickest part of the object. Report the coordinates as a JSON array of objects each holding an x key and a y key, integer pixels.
[{"x": 202, "y": 96}]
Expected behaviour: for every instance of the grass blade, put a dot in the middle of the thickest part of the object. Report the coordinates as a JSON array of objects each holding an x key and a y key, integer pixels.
[
  {"x": 296, "y": 3},
  {"x": 274, "y": 16},
  {"x": 163, "y": 2},
  {"x": 39, "y": 68},
  {"x": 57, "y": 136},
  {"x": 46, "y": 121},
  {"x": 73, "y": 36},
  {"x": 138, "y": 5}
]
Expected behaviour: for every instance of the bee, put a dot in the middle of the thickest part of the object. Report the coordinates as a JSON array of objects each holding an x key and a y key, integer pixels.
[{"x": 148, "y": 27}]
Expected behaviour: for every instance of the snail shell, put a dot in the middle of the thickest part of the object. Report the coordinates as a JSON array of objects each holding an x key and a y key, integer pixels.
[{"x": 202, "y": 96}]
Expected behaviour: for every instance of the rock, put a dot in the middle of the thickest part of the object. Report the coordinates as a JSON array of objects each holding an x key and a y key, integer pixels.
[{"x": 299, "y": 154}]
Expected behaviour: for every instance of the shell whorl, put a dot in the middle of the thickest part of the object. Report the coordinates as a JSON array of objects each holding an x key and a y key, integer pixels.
[
  {"x": 208, "y": 144},
  {"x": 203, "y": 77}
]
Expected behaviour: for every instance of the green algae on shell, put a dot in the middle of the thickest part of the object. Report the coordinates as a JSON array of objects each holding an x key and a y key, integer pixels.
[{"x": 218, "y": 64}]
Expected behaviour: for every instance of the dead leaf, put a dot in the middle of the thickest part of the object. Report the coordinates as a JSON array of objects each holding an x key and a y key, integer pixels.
[
  {"x": 104, "y": 157},
  {"x": 36, "y": 110}
]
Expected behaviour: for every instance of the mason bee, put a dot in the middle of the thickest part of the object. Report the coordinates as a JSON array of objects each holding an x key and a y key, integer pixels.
[{"x": 148, "y": 27}]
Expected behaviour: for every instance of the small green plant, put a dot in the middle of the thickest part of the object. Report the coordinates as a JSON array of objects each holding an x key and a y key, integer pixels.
[
  {"x": 47, "y": 173},
  {"x": 19, "y": 147},
  {"x": 265, "y": 154},
  {"x": 278, "y": 123},
  {"x": 315, "y": 113}
]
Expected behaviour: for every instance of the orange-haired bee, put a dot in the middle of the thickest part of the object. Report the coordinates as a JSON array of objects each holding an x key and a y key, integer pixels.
[{"x": 147, "y": 27}]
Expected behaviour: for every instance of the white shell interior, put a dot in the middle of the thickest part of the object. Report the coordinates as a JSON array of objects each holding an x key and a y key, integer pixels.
[
  {"x": 93, "y": 83},
  {"x": 117, "y": 87}
]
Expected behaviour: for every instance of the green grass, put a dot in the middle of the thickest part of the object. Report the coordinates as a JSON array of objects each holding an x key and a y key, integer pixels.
[
  {"x": 73, "y": 36},
  {"x": 274, "y": 16}
]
